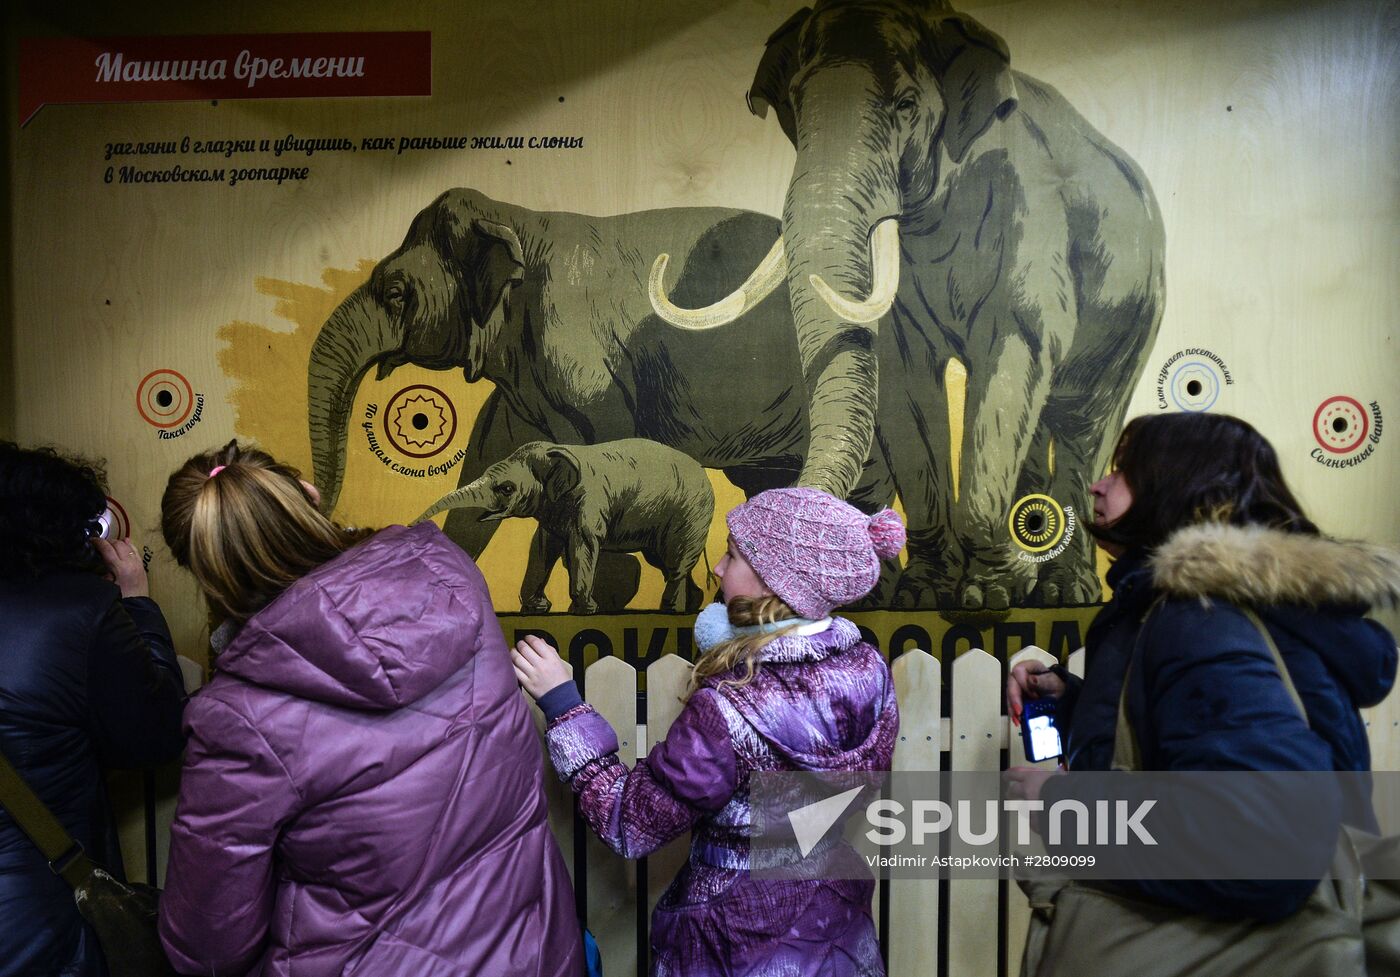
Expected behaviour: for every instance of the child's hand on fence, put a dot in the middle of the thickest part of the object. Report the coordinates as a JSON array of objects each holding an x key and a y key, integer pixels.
[{"x": 538, "y": 666}]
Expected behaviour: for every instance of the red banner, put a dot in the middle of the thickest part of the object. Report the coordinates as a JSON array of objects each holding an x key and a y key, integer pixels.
[{"x": 69, "y": 70}]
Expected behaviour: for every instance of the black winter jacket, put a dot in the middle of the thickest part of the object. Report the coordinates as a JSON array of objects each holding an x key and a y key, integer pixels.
[
  {"x": 1205, "y": 694},
  {"x": 87, "y": 680}
]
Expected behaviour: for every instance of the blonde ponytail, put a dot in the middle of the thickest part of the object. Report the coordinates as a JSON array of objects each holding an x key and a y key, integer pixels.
[{"x": 246, "y": 527}]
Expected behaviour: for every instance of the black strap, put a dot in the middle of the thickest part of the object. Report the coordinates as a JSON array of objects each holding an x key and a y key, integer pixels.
[{"x": 65, "y": 856}]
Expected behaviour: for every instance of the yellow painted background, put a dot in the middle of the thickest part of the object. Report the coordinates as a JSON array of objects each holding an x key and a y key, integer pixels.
[{"x": 1268, "y": 131}]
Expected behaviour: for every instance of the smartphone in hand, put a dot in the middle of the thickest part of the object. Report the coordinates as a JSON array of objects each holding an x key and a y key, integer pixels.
[{"x": 1038, "y": 730}]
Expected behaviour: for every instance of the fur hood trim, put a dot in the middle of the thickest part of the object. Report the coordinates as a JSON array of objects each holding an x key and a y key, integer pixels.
[{"x": 1258, "y": 566}]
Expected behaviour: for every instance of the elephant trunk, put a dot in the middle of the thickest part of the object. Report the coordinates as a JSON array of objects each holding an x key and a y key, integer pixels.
[
  {"x": 884, "y": 276},
  {"x": 356, "y": 336},
  {"x": 470, "y": 496},
  {"x": 843, "y": 268}
]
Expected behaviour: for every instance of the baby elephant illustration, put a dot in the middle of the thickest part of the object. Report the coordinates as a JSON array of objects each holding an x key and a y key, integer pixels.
[{"x": 629, "y": 496}]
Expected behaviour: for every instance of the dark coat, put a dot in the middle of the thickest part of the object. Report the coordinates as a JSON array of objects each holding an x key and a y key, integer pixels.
[
  {"x": 1204, "y": 692},
  {"x": 87, "y": 680},
  {"x": 363, "y": 789}
]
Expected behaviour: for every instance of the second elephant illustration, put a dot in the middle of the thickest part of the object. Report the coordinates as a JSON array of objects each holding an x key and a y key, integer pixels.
[
  {"x": 629, "y": 496},
  {"x": 552, "y": 309}
]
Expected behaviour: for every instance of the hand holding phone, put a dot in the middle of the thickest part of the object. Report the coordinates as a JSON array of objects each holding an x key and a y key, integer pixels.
[
  {"x": 1030, "y": 680},
  {"x": 1039, "y": 732}
]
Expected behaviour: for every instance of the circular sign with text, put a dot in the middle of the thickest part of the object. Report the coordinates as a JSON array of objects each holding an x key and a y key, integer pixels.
[
  {"x": 1195, "y": 386},
  {"x": 1340, "y": 424},
  {"x": 420, "y": 421},
  {"x": 1037, "y": 523},
  {"x": 164, "y": 398}
]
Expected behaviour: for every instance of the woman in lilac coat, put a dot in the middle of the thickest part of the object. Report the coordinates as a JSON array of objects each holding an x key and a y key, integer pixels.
[
  {"x": 362, "y": 790},
  {"x": 781, "y": 686}
]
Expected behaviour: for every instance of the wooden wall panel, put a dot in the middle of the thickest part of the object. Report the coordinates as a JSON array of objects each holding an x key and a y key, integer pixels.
[{"x": 1267, "y": 129}]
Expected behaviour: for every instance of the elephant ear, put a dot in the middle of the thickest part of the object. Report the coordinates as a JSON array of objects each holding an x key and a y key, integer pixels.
[
  {"x": 559, "y": 472},
  {"x": 485, "y": 253},
  {"x": 774, "y": 74},
  {"x": 497, "y": 266},
  {"x": 974, "y": 68}
]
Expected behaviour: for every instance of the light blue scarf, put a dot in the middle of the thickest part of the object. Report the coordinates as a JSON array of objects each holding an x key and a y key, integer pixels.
[{"x": 712, "y": 627}]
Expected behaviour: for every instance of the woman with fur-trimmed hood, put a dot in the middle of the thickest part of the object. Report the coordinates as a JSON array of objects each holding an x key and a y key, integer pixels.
[{"x": 1201, "y": 524}]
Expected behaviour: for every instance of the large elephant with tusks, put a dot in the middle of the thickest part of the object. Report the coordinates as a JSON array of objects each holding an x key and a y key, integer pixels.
[
  {"x": 552, "y": 309},
  {"x": 945, "y": 206}
]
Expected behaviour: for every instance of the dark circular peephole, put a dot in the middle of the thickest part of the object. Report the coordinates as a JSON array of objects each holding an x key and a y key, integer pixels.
[
  {"x": 420, "y": 421},
  {"x": 1339, "y": 424},
  {"x": 165, "y": 398},
  {"x": 1193, "y": 388}
]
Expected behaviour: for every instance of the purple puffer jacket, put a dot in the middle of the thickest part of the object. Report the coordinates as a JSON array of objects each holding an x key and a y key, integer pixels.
[
  {"x": 819, "y": 703},
  {"x": 362, "y": 791}
]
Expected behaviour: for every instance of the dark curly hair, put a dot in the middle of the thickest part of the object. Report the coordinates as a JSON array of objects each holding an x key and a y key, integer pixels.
[{"x": 49, "y": 509}]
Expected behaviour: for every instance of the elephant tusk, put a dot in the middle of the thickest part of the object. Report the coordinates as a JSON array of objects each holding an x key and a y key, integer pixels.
[
  {"x": 771, "y": 271},
  {"x": 884, "y": 260}
]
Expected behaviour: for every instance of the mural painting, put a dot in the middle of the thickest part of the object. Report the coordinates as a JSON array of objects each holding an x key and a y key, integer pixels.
[
  {"x": 630, "y": 270},
  {"x": 942, "y": 208},
  {"x": 574, "y": 279}
]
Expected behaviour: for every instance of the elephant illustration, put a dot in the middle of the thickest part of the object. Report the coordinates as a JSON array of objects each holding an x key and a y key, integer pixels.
[
  {"x": 552, "y": 309},
  {"x": 630, "y": 496},
  {"x": 944, "y": 206}
]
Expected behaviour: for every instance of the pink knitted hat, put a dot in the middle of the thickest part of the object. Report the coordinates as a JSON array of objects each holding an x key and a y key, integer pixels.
[{"x": 813, "y": 550}]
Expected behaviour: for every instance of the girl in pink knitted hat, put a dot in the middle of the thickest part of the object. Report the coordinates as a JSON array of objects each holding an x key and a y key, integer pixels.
[{"x": 780, "y": 685}]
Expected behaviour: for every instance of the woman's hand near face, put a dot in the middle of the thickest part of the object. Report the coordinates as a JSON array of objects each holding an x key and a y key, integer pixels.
[
  {"x": 124, "y": 562},
  {"x": 538, "y": 666},
  {"x": 1030, "y": 680}
]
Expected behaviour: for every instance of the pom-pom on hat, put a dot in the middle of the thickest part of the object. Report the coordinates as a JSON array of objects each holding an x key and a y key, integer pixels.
[{"x": 813, "y": 550}]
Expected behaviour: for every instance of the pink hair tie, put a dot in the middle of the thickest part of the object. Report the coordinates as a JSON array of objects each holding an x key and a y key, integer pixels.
[{"x": 216, "y": 469}]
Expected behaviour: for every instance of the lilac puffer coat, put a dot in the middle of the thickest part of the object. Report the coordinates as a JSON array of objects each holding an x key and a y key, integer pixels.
[
  {"x": 362, "y": 787},
  {"x": 820, "y": 702}
]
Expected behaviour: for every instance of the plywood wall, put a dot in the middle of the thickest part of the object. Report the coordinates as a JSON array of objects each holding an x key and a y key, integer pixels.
[{"x": 1266, "y": 129}]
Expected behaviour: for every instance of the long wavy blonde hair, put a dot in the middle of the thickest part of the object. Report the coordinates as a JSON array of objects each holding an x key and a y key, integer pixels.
[
  {"x": 743, "y": 652},
  {"x": 249, "y": 532}
]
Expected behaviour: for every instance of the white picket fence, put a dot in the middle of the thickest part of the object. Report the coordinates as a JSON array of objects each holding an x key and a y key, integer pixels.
[{"x": 983, "y": 930}]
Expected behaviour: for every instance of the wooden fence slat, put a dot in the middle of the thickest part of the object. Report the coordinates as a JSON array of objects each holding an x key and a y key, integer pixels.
[
  {"x": 977, "y": 733},
  {"x": 667, "y": 680},
  {"x": 1018, "y": 910},
  {"x": 913, "y": 912},
  {"x": 611, "y": 688},
  {"x": 1076, "y": 663}
]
